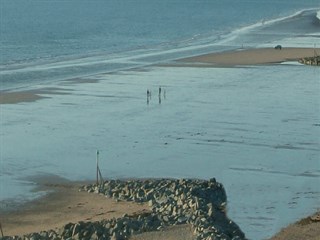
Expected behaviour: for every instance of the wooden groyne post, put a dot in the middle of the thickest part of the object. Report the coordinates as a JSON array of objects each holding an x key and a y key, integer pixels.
[
  {"x": 1, "y": 230},
  {"x": 99, "y": 179},
  {"x": 97, "y": 163}
]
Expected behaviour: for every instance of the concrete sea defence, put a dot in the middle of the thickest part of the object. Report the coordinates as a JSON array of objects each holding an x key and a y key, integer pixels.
[{"x": 199, "y": 203}]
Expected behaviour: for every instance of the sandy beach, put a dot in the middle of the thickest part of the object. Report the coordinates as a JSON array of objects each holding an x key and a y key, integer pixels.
[
  {"x": 62, "y": 205},
  {"x": 307, "y": 228},
  {"x": 252, "y": 56},
  {"x": 66, "y": 204},
  {"x": 31, "y": 95},
  {"x": 12, "y": 97}
]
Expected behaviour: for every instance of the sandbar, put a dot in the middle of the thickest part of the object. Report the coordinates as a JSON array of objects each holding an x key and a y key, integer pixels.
[
  {"x": 13, "y": 97},
  {"x": 255, "y": 56}
]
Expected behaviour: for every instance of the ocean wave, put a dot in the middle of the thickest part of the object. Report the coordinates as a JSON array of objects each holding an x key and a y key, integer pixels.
[
  {"x": 276, "y": 20},
  {"x": 242, "y": 34},
  {"x": 294, "y": 15},
  {"x": 232, "y": 38},
  {"x": 73, "y": 65}
]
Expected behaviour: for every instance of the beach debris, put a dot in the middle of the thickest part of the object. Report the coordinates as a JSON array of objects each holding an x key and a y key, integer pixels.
[
  {"x": 1, "y": 230},
  {"x": 199, "y": 203}
]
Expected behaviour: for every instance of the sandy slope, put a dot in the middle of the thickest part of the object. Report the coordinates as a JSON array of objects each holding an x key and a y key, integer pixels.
[
  {"x": 66, "y": 204},
  {"x": 307, "y": 229}
]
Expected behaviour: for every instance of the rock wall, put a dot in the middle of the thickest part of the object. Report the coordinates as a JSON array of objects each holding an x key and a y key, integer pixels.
[
  {"x": 200, "y": 203},
  {"x": 311, "y": 61}
]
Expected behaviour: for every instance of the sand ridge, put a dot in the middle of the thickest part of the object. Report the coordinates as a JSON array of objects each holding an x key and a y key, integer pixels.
[{"x": 252, "y": 56}]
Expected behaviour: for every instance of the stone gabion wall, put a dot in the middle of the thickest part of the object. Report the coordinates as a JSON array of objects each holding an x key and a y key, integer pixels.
[{"x": 200, "y": 203}]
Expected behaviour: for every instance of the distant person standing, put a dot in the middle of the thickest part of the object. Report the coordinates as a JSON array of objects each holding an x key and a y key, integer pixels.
[
  {"x": 148, "y": 96},
  {"x": 160, "y": 95}
]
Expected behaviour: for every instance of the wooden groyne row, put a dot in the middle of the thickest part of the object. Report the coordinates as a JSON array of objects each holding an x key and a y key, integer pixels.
[{"x": 311, "y": 60}]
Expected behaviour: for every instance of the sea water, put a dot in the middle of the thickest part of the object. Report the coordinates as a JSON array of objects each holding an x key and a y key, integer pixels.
[
  {"x": 45, "y": 41},
  {"x": 254, "y": 128}
]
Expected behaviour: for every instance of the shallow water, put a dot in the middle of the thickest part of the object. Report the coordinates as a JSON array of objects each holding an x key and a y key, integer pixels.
[
  {"x": 255, "y": 129},
  {"x": 46, "y": 41}
]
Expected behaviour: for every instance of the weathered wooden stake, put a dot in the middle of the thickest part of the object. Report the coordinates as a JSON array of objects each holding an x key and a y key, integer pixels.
[
  {"x": 101, "y": 179},
  {"x": 1, "y": 230},
  {"x": 97, "y": 160}
]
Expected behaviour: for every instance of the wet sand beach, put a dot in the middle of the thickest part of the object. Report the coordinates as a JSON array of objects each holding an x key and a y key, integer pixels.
[
  {"x": 12, "y": 97},
  {"x": 152, "y": 93},
  {"x": 65, "y": 200},
  {"x": 62, "y": 205}
]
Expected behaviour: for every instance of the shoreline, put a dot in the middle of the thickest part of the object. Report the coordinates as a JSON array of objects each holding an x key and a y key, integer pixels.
[
  {"x": 162, "y": 208},
  {"x": 62, "y": 201},
  {"x": 65, "y": 200},
  {"x": 233, "y": 58},
  {"x": 227, "y": 59}
]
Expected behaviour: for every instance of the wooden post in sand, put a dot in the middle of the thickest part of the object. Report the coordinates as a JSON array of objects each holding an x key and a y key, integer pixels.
[
  {"x": 1, "y": 230},
  {"x": 99, "y": 175},
  {"x": 97, "y": 161}
]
